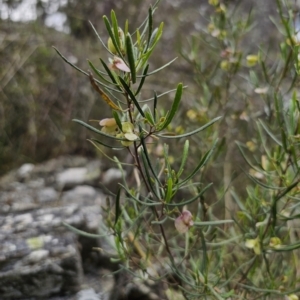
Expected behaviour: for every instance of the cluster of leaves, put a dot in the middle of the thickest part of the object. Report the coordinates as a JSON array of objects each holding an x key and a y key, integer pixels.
[
  {"x": 256, "y": 92},
  {"x": 233, "y": 256}
]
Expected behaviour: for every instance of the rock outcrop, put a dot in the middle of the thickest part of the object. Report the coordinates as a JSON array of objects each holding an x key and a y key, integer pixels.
[{"x": 40, "y": 257}]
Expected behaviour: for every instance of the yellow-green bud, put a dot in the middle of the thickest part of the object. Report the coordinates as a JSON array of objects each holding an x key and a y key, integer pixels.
[
  {"x": 252, "y": 60},
  {"x": 111, "y": 46}
]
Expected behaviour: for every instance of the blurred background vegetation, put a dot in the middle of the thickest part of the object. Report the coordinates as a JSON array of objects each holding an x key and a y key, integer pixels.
[{"x": 40, "y": 94}]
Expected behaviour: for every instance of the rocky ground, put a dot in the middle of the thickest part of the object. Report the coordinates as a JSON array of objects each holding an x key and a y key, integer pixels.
[{"x": 40, "y": 258}]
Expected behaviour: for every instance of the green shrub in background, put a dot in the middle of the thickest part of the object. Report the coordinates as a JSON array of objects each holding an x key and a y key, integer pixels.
[{"x": 250, "y": 250}]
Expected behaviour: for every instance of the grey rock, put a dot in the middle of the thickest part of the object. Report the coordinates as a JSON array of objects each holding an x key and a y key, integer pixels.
[
  {"x": 47, "y": 194},
  {"x": 88, "y": 294},
  {"x": 79, "y": 175},
  {"x": 39, "y": 256},
  {"x": 25, "y": 170}
]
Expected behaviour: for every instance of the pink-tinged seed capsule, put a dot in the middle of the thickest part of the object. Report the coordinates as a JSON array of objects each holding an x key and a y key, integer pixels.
[{"x": 184, "y": 221}]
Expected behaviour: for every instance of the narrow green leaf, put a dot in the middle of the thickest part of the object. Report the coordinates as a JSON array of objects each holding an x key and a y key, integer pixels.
[
  {"x": 204, "y": 261},
  {"x": 154, "y": 106},
  {"x": 189, "y": 133},
  {"x": 103, "y": 44},
  {"x": 145, "y": 150},
  {"x": 97, "y": 130},
  {"x": 68, "y": 62},
  {"x": 279, "y": 109},
  {"x": 156, "y": 35},
  {"x": 139, "y": 201},
  {"x": 83, "y": 233},
  {"x": 131, "y": 95},
  {"x": 161, "y": 221},
  {"x": 118, "y": 210},
  {"x": 99, "y": 73},
  {"x": 283, "y": 248},
  {"x": 293, "y": 217},
  {"x": 274, "y": 138},
  {"x": 143, "y": 79},
  {"x": 149, "y": 179},
  {"x": 184, "y": 158},
  {"x": 174, "y": 107},
  {"x": 213, "y": 223},
  {"x": 169, "y": 190},
  {"x": 109, "y": 73},
  {"x": 244, "y": 155},
  {"x": 149, "y": 117},
  {"x": 130, "y": 56},
  {"x": 269, "y": 187},
  {"x": 202, "y": 163},
  {"x": 117, "y": 118},
  {"x": 112, "y": 36},
  {"x": 107, "y": 146},
  {"x": 161, "y": 68},
  {"x": 138, "y": 39},
  {"x": 192, "y": 199},
  {"x": 289, "y": 188},
  {"x": 237, "y": 200},
  {"x": 115, "y": 27},
  {"x": 150, "y": 27}
]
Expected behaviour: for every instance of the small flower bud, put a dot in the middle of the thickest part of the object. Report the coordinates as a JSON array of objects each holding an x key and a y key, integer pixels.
[
  {"x": 213, "y": 2},
  {"x": 254, "y": 244},
  {"x": 292, "y": 297},
  {"x": 275, "y": 242},
  {"x": 109, "y": 126},
  {"x": 119, "y": 64},
  {"x": 252, "y": 60},
  {"x": 111, "y": 46}
]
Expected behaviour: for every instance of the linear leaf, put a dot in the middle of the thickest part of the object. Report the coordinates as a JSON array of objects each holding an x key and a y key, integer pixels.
[
  {"x": 98, "y": 73},
  {"x": 68, "y": 62},
  {"x": 110, "y": 74},
  {"x": 117, "y": 118},
  {"x": 184, "y": 158},
  {"x": 131, "y": 95},
  {"x": 107, "y": 146},
  {"x": 148, "y": 176},
  {"x": 142, "y": 80},
  {"x": 112, "y": 36},
  {"x": 130, "y": 56},
  {"x": 202, "y": 163},
  {"x": 189, "y": 133},
  {"x": 169, "y": 190},
  {"x": 139, "y": 201},
  {"x": 115, "y": 26},
  {"x": 159, "y": 69},
  {"x": 192, "y": 199},
  {"x": 212, "y": 223},
  {"x": 149, "y": 117},
  {"x": 263, "y": 184},
  {"x": 274, "y": 138},
  {"x": 83, "y": 233},
  {"x": 97, "y": 130},
  {"x": 174, "y": 107},
  {"x": 148, "y": 159},
  {"x": 118, "y": 210},
  {"x": 150, "y": 27},
  {"x": 103, "y": 44},
  {"x": 244, "y": 155}
]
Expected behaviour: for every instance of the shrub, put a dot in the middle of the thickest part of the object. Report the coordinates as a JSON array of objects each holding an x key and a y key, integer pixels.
[{"x": 248, "y": 106}]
